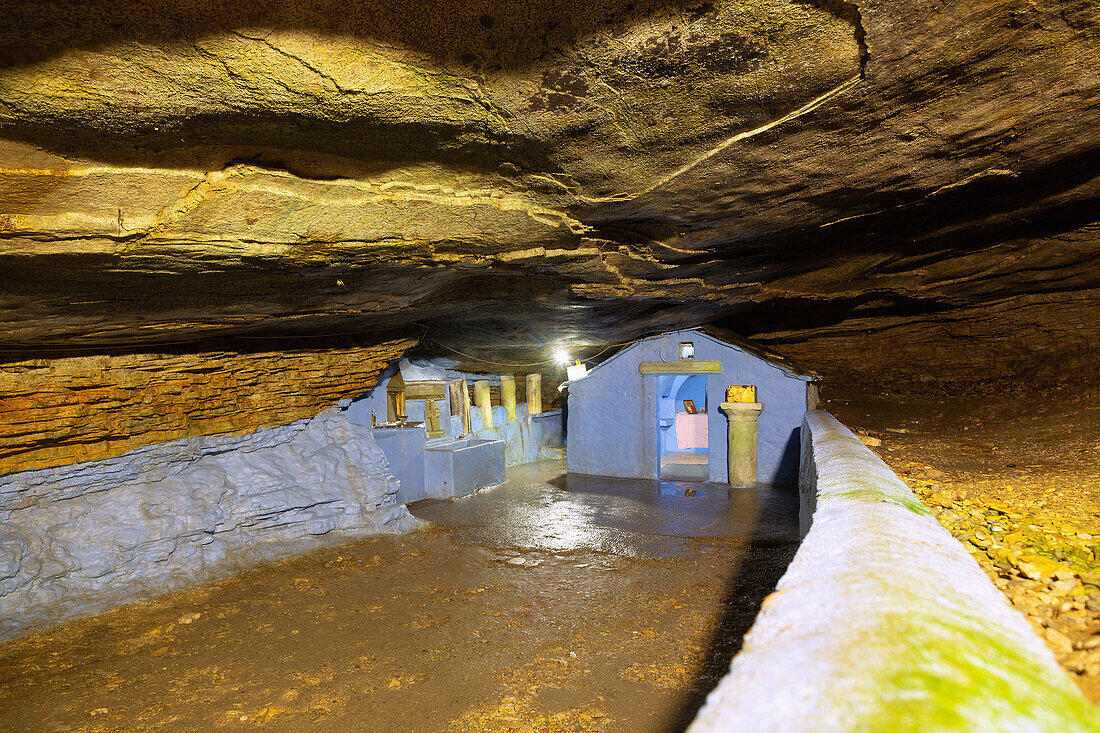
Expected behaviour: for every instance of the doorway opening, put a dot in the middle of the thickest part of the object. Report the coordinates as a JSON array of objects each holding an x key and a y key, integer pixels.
[{"x": 682, "y": 435}]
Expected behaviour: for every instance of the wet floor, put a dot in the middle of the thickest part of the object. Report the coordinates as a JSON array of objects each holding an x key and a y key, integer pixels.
[
  {"x": 552, "y": 603},
  {"x": 542, "y": 508}
]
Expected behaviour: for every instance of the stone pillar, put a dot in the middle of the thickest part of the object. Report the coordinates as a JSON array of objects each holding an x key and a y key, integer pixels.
[
  {"x": 742, "y": 440},
  {"x": 467, "y": 421},
  {"x": 481, "y": 399},
  {"x": 534, "y": 394},
  {"x": 454, "y": 398},
  {"x": 508, "y": 395}
]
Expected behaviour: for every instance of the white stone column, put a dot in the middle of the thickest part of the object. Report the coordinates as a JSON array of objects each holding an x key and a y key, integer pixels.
[{"x": 534, "y": 394}]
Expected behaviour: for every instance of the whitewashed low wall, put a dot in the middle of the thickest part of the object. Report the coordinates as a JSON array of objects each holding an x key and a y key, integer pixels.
[
  {"x": 883, "y": 622},
  {"x": 79, "y": 539}
]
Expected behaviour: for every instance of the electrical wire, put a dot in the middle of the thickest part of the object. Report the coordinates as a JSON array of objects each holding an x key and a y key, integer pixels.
[
  {"x": 531, "y": 364},
  {"x": 199, "y": 339},
  {"x": 487, "y": 361},
  {"x": 661, "y": 348},
  {"x": 214, "y": 337},
  {"x": 609, "y": 346}
]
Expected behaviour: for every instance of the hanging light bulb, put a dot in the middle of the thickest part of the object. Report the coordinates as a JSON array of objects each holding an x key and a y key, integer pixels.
[{"x": 561, "y": 357}]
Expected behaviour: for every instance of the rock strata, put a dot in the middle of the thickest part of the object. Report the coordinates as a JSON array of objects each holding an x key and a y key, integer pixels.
[
  {"x": 889, "y": 189},
  {"x": 58, "y": 411}
]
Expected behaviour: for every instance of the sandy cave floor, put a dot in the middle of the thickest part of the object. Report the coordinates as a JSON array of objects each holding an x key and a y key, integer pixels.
[
  {"x": 551, "y": 603},
  {"x": 1017, "y": 480}
]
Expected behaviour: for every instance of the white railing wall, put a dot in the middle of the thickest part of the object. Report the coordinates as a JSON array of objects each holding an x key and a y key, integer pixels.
[{"x": 883, "y": 622}]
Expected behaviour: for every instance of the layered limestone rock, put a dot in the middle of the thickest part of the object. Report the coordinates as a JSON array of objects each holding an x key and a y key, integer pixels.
[
  {"x": 85, "y": 537},
  {"x": 58, "y": 411},
  {"x": 845, "y": 179}
]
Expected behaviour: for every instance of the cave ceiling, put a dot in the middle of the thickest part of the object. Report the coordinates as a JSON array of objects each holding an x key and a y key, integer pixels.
[{"x": 853, "y": 184}]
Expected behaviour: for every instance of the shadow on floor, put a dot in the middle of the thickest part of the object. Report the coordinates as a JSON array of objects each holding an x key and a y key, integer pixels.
[
  {"x": 763, "y": 564},
  {"x": 545, "y": 508}
]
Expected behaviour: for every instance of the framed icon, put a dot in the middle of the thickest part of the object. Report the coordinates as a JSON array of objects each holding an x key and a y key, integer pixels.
[{"x": 689, "y": 407}]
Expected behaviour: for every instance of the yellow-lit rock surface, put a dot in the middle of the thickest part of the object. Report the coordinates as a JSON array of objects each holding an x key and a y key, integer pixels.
[
  {"x": 59, "y": 411},
  {"x": 863, "y": 186}
]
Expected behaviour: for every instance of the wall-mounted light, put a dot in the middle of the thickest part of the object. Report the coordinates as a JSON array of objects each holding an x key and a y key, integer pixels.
[
  {"x": 561, "y": 357},
  {"x": 576, "y": 371}
]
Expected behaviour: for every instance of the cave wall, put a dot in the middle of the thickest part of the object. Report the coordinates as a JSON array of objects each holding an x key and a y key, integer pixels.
[
  {"x": 59, "y": 411},
  {"x": 1017, "y": 344},
  {"x": 84, "y": 537},
  {"x": 1036, "y": 321},
  {"x": 129, "y": 475}
]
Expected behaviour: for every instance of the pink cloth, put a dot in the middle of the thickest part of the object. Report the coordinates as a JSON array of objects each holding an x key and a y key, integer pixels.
[{"x": 691, "y": 431}]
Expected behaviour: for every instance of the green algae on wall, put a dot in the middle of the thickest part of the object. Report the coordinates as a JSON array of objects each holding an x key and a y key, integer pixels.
[
  {"x": 908, "y": 502},
  {"x": 950, "y": 672}
]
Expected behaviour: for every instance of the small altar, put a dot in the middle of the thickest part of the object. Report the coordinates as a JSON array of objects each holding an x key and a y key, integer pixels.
[{"x": 439, "y": 468}]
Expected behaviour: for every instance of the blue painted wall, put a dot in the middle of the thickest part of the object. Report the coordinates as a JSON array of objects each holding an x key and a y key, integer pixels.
[
  {"x": 460, "y": 467},
  {"x": 360, "y": 409},
  {"x": 404, "y": 451},
  {"x": 613, "y": 411},
  {"x": 525, "y": 439}
]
